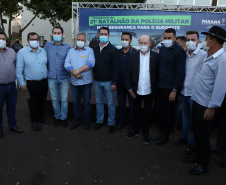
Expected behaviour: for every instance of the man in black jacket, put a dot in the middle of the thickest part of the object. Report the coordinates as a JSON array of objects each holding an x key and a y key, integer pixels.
[
  {"x": 141, "y": 81},
  {"x": 172, "y": 60},
  {"x": 106, "y": 74}
]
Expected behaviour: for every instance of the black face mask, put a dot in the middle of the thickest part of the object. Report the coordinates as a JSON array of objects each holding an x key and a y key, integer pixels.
[{"x": 17, "y": 42}]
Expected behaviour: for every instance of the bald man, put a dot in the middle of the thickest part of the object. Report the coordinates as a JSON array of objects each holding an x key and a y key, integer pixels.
[{"x": 141, "y": 82}]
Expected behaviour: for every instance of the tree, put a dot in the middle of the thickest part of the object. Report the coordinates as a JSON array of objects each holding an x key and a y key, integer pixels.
[{"x": 54, "y": 10}]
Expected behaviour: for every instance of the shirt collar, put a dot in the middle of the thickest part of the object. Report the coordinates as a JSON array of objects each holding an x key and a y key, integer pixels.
[
  {"x": 30, "y": 49},
  {"x": 52, "y": 42},
  {"x": 82, "y": 48},
  {"x": 130, "y": 51},
  {"x": 215, "y": 55},
  {"x": 195, "y": 52}
]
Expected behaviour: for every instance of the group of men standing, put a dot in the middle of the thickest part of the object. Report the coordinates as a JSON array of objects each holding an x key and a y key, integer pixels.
[{"x": 193, "y": 77}]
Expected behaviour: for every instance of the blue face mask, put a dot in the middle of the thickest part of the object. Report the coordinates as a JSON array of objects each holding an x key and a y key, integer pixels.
[
  {"x": 57, "y": 38},
  {"x": 103, "y": 39}
]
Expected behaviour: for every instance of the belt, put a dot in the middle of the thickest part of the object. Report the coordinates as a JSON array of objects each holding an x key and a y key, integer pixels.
[{"x": 8, "y": 83}]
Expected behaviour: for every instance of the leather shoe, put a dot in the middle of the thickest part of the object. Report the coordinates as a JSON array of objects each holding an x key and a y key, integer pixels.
[
  {"x": 198, "y": 170},
  {"x": 1, "y": 134},
  {"x": 119, "y": 127},
  {"x": 35, "y": 126},
  {"x": 157, "y": 137},
  {"x": 180, "y": 142},
  {"x": 163, "y": 140},
  {"x": 45, "y": 121},
  {"x": 189, "y": 150},
  {"x": 16, "y": 129},
  {"x": 75, "y": 125},
  {"x": 192, "y": 159},
  {"x": 87, "y": 127}
]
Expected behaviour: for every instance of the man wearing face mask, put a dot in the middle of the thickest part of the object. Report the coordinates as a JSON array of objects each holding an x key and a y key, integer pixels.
[
  {"x": 208, "y": 93},
  {"x": 194, "y": 60},
  {"x": 141, "y": 83},
  {"x": 31, "y": 64},
  {"x": 8, "y": 91},
  {"x": 79, "y": 62},
  {"x": 122, "y": 92},
  {"x": 58, "y": 78},
  {"x": 171, "y": 75},
  {"x": 106, "y": 74},
  {"x": 17, "y": 46}
]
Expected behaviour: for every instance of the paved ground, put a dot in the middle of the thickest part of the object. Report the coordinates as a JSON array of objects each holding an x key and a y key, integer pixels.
[{"x": 60, "y": 156}]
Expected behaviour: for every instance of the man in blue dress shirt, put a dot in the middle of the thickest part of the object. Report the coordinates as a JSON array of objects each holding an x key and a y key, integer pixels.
[
  {"x": 208, "y": 94},
  {"x": 79, "y": 62},
  {"x": 31, "y": 64},
  {"x": 58, "y": 77},
  {"x": 8, "y": 91}
]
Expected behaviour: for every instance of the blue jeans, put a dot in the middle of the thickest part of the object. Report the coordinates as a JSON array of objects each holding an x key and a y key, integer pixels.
[
  {"x": 122, "y": 95},
  {"x": 81, "y": 92},
  {"x": 100, "y": 89},
  {"x": 186, "y": 104},
  {"x": 62, "y": 86},
  {"x": 8, "y": 94}
]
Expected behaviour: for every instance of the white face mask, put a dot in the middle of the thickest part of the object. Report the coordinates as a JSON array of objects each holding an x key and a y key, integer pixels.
[
  {"x": 167, "y": 43},
  {"x": 2, "y": 44},
  {"x": 80, "y": 44},
  {"x": 34, "y": 44},
  {"x": 204, "y": 45},
  {"x": 191, "y": 45},
  {"x": 143, "y": 49},
  {"x": 125, "y": 44}
]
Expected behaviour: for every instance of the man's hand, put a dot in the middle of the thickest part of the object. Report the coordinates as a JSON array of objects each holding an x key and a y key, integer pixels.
[
  {"x": 172, "y": 96},
  {"x": 132, "y": 94},
  {"x": 23, "y": 87},
  {"x": 209, "y": 114},
  {"x": 113, "y": 87},
  {"x": 79, "y": 76}
]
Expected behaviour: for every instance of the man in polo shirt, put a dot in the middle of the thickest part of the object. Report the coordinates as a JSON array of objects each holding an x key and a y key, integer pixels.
[
  {"x": 79, "y": 62},
  {"x": 106, "y": 74},
  {"x": 31, "y": 64},
  {"x": 58, "y": 77},
  {"x": 122, "y": 92},
  {"x": 208, "y": 94},
  {"x": 172, "y": 60},
  {"x": 8, "y": 92}
]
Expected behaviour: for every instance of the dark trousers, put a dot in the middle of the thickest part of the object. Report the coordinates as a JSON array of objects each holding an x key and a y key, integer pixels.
[
  {"x": 38, "y": 93},
  {"x": 81, "y": 92},
  {"x": 201, "y": 129},
  {"x": 142, "y": 118},
  {"x": 221, "y": 130},
  {"x": 122, "y": 95},
  {"x": 166, "y": 110},
  {"x": 8, "y": 94}
]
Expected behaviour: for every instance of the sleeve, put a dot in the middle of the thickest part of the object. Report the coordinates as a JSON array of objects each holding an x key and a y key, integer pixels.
[
  {"x": 219, "y": 89},
  {"x": 91, "y": 61},
  {"x": 67, "y": 63},
  {"x": 20, "y": 68},
  {"x": 115, "y": 66},
  {"x": 180, "y": 71}
]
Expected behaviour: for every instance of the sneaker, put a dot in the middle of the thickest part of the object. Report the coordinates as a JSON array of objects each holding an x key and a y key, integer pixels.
[
  {"x": 97, "y": 126},
  {"x": 111, "y": 129},
  {"x": 146, "y": 140},
  {"x": 56, "y": 122},
  {"x": 132, "y": 134},
  {"x": 64, "y": 123},
  {"x": 189, "y": 150}
]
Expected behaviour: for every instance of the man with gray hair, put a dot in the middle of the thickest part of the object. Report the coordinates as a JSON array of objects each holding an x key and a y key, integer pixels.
[
  {"x": 141, "y": 83},
  {"x": 79, "y": 62}
]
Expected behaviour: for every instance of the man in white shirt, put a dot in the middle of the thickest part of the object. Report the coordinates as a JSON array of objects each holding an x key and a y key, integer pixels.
[
  {"x": 141, "y": 81},
  {"x": 194, "y": 59}
]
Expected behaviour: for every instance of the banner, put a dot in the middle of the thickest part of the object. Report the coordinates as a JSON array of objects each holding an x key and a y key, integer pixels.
[{"x": 140, "y": 22}]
